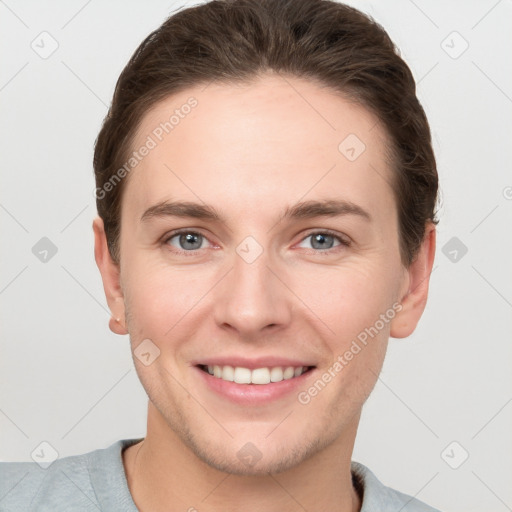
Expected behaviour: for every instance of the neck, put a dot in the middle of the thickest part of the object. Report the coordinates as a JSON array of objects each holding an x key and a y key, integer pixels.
[{"x": 164, "y": 474}]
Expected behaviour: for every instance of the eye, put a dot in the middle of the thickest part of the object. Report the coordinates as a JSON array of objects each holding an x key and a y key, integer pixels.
[
  {"x": 324, "y": 241},
  {"x": 186, "y": 241}
]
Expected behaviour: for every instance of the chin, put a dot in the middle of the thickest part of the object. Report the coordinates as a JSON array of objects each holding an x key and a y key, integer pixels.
[
  {"x": 240, "y": 456},
  {"x": 260, "y": 463}
]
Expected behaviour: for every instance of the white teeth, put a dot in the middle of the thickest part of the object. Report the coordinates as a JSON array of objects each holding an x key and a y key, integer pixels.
[
  {"x": 228, "y": 373},
  {"x": 260, "y": 376},
  {"x": 276, "y": 374},
  {"x": 257, "y": 376},
  {"x": 242, "y": 375},
  {"x": 288, "y": 373}
]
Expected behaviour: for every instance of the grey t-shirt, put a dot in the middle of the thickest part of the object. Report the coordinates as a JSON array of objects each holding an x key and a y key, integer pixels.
[{"x": 96, "y": 481}]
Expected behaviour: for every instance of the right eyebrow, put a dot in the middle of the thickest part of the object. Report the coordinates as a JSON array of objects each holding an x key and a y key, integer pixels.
[{"x": 182, "y": 209}]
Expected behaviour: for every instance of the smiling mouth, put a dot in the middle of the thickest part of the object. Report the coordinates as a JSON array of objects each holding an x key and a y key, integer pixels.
[{"x": 259, "y": 376}]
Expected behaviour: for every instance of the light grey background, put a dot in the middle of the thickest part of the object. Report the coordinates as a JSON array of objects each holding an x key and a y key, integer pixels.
[{"x": 67, "y": 380}]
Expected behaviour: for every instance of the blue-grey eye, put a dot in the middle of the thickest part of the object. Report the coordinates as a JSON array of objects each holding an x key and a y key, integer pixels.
[
  {"x": 322, "y": 241},
  {"x": 188, "y": 241}
]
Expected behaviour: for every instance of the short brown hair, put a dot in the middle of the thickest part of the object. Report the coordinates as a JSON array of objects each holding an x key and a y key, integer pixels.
[{"x": 231, "y": 41}]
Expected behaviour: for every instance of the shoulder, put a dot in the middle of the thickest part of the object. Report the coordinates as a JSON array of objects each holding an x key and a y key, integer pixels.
[
  {"x": 376, "y": 497},
  {"x": 28, "y": 486},
  {"x": 70, "y": 483}
]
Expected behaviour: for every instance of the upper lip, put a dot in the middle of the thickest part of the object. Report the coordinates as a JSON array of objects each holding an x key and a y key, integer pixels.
[{"x": 252, "y": 364}]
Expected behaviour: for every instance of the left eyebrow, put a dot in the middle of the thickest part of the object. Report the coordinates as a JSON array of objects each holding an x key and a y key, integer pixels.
[
  {"x": 302, "y": 210},
  {"x": 327, "y": 208}
]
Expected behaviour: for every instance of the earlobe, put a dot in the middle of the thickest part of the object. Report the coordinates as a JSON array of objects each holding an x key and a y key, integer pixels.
[
  {"x": 117, "y": 324},
  {"x": 414, "y": 299},
  {"x": 110, "y": 275}
]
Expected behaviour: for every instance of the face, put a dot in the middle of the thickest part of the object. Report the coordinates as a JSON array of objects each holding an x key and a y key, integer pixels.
[{"x": 290, "y": 258}]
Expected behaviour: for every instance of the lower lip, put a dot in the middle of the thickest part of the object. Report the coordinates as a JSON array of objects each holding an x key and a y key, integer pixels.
[{"x": 253, "y": 394}]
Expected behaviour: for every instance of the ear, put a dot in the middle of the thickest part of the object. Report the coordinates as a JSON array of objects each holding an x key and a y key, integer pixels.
[
  {"x": 110, "y": 275},
  {"x": 414, "y": 292}
]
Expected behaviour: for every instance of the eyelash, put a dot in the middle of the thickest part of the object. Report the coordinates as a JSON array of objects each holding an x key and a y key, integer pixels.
[{"x": 343, "y": 242}]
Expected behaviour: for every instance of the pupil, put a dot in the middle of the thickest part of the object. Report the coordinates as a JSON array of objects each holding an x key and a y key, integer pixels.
[
  {"x": 190, "y": 238},
  {"x": 321, "y": 238}
]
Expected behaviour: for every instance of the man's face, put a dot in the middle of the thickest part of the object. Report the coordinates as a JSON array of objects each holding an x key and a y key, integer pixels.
[{"x": 260, "y": 284}]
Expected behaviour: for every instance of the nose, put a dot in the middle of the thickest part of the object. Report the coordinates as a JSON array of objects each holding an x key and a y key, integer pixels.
[{"x": 251, "y": 300}]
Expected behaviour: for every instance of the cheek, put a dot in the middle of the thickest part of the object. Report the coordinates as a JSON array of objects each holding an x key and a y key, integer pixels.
[
  {"x": 360, "y": 374},
  {"x": 347, "y": 298},
  {"x": 358, "y": 312},
  {"x": 160, "y": 297}
]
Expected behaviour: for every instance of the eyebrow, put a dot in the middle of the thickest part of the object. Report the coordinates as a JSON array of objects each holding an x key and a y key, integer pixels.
[{"x": 301, "y": 210}]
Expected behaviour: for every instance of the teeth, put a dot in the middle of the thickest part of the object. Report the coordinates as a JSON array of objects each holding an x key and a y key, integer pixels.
[
  {"x": 276, "y": 374},
  {"x": 228, "y": 373},
  {"x": 242, "y": 375},
  {"x": 260, "y": 376},
  {"x": 257, "y": 376},
  {"x": 288, "y": 373}
]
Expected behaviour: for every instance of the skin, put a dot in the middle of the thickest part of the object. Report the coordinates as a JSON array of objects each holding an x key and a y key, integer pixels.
[{"x": 250, "y": 151}]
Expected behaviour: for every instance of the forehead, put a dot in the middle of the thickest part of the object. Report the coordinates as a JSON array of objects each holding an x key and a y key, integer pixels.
[{"x": 278, "y": 137}]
